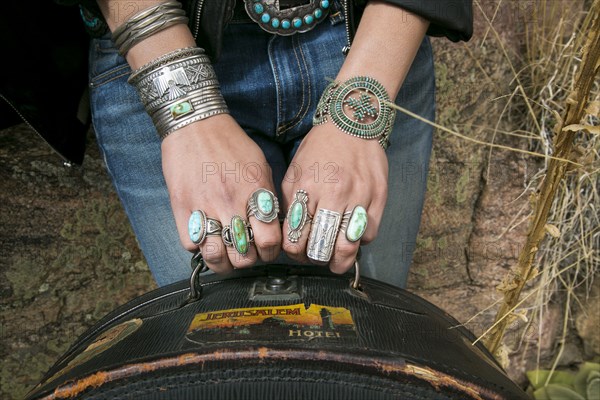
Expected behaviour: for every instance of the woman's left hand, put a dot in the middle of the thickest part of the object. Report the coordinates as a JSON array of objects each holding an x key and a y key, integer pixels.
[{"x": 338, "y": 172}]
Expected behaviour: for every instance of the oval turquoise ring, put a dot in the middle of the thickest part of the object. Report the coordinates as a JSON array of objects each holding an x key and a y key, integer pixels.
[
  {"x": 263, "y": 205},
  {"x": 197, "y": 226},
  {"x": 239, "y": 235},
  {"x": 297, "y": 215},
  {"x": 354, "y": 223}
]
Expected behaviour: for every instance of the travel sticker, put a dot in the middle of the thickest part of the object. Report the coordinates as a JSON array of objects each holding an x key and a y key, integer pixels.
[{"x": 278, "y": 323}]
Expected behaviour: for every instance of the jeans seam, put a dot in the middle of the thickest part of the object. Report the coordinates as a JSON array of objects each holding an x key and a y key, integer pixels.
[
  {"x": 303, "y": 110},
  {"x": 277, "y": 84},
  {"x": 106, "y": 77}
]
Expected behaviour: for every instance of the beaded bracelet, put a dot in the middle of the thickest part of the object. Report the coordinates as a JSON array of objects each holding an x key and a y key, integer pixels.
[{"x": 350, "y": 105}]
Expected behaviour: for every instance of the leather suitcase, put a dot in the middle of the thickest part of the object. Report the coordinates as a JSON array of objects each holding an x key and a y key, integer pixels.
[{"x": 277, "y": 333}]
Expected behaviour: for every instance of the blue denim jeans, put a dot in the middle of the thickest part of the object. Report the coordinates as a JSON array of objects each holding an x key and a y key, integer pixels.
[{"x": 272, "y": 85}]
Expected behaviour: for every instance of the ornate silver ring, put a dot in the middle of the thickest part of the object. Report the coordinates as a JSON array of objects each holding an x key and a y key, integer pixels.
[
  {"x": 323, "y": 234},
  {"x": 213, "y": 227},
  {"x": 263, "y": 205},
  {"x": 297, "y": 215}
]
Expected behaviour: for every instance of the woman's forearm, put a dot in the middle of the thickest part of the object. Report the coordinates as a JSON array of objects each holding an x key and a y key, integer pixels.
[
  {"x": 172, "y": 38},
  {"x": 385, "y": 45}
]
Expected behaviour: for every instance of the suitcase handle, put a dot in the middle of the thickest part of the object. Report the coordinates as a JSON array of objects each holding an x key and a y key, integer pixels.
[{"x": 199, "y": 266}]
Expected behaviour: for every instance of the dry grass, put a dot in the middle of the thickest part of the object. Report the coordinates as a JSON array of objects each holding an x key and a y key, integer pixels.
[
  {"x": 569, "y": 258},
  {"x": 564, "y": 256}
]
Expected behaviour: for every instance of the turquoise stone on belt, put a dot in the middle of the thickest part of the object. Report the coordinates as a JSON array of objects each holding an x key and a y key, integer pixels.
[
  {"x": 287, "y": 17},
  {"x": 240, "y": 235},
  {"x": 357, "y": 224}
]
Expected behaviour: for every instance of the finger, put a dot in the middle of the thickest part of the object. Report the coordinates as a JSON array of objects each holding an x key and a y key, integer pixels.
[
  {"x": 323, "y": 245},
  {"x": 297, "y": 225},
  {"x": 263, "y": 211},
  {"x": 353, "y": 227},
  {"x": 375, "y": 213},
  {"x": 215, "y": 254},
  {"x": 182, "y": 220},
  {"x": 212, "y": 247}
]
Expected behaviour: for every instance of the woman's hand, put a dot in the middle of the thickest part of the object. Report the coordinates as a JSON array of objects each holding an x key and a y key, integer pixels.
[
  {"x": 354, "y": 171},
  {"x": 212, "y": 165},
  {"x": 338, "y": 172}
]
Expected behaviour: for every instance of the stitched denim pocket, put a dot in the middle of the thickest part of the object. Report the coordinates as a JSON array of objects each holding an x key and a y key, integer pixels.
[{"x": 105, "y": 62}]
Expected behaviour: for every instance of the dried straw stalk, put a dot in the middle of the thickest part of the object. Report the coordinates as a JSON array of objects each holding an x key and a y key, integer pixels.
[{"x": 567, "y": 130}]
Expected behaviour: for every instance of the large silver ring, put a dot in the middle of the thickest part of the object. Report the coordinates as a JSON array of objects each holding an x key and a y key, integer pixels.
[
  {"x": 197, "y": 226},
  {"x": 238, "y": 235},
  {"x": 263, "y": 205},
  {"x": 323, "y": 234},
  {"x": 354, "y": 223},
  {"x": 297, "y": 215},
  {"x": 213, "y": 227}
]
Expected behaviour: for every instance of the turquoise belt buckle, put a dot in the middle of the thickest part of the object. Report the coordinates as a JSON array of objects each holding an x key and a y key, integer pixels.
[{"x": 274, "y": 17}]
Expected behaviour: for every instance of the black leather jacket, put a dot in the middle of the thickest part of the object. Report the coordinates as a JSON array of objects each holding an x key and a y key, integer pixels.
[
  {"x": 48, "y": 73},
  {"x": 208, "y": 18}
]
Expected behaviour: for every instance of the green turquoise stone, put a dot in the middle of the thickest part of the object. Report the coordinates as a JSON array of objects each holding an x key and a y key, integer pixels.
[
  {"x": 265, "y": 18},
  {"x": 275, "y": 23},
  {"x": 240, "y": 235},
  {"x": 264, "y": 202},
  {"x": 325, "y": 3},
  {"x": 308, "y": 19},
  {"x": 296, "y": 215},
  {"x": 258, "y": 8},
  {"x": 318, "y": 13},
  {"x": 297, "y": 22},
  {"x": 180, "y": 109},
  {"x": 195, "y": 226},
  {"x": 357, "y": 224}
]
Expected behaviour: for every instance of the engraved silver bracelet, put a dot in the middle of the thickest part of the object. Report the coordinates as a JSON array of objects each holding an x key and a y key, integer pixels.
[{"x": 146, "y": 23}]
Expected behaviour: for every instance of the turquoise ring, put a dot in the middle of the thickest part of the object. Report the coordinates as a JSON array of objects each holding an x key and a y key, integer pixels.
[
  {"x": 263, "y": 205},
  {"x": 197, "y": 226},
  {"x": 354, "y": 223},
  {"x": 238, "y": 235},
  {"x": 297, "y": 215},
  {"x": 200, "y": 226}
]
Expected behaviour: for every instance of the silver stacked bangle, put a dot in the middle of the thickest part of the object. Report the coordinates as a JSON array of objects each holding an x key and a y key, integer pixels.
[
  {"x": 179, "y": 88},
  {"x": 196, "y": 106},
  {"x": 146, "y": 23},
  {"x": 173, "y": 80}
]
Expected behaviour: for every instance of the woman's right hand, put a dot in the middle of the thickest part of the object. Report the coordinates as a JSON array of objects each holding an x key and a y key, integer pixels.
[{"x": 212, "y": 165}]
